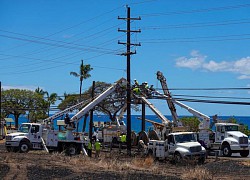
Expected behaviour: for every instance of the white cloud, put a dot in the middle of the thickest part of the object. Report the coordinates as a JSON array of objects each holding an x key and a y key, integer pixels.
[
  {"x": 194, "y": 62},
  {"x": 32, "y": 88},
  {"x": 199, "y": 61}
]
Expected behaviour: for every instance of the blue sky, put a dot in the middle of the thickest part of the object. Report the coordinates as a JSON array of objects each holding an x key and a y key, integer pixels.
[{"x": 196, "y": 44}]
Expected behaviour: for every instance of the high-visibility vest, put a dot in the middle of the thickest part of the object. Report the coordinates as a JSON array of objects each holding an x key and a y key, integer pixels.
[
  {"x": 89, "y": 145},
  {"x": 97, "y": 146},
  {"x": 123, "y": 138}
]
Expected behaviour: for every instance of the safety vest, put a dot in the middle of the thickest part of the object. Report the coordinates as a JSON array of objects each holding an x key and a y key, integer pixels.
[
  {"x": 89, "y": 145},
  {"x": 97, "y": 146},
  {"x": 123, "y": 138}
]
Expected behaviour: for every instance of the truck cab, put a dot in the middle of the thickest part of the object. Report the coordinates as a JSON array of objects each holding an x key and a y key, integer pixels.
[
  {"x": 184, "y": 145},
  {"x": 28, "y": 136},
  {"x": 231, "y": 140},
  {"x": 178, "y": 146}
]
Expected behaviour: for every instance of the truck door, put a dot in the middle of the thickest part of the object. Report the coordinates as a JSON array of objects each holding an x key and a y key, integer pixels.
[
  {"x": 220, "y": 133},
  {"x": 35, "y": 135},
  {"x": 171, "y": 144}
]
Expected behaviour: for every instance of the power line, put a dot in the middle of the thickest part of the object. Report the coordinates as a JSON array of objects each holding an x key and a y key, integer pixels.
[
  {"x": 213, "y": 101},
  {"x": 199, "y": 10},
  {"x": 209, "y": 89},
  {"x": 198, "y": 25},
  {"x": 199, "y": 39},
  {"x": 213, "y": 97},
  {"x": 57, "y": 45}
]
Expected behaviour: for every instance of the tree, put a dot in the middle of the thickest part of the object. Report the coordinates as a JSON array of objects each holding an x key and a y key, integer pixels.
[
  {"x": 110, "y": 106},
  {"x": 83, "y": 74},
  {"x": 18, "y": 102},
  {"x": 51, "y": 98},
  {"x": 191, "y": 122}
]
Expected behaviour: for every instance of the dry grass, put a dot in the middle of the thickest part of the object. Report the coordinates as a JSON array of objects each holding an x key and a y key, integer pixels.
[
  {"x": 197, "y": 173},
  {"x": 245, "y": 163}
]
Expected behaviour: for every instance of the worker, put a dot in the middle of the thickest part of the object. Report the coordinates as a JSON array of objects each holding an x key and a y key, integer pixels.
[
  {"x": 89, "y": 148},
  {"x": 136, "y": 83},
  {"x": 123, "y": 138},
  {"x": 67, "y": 119},
  {"x": 97, "y": 148},
  {"x": 136, "y": 91},
  {"x": 146, "y": 85}
]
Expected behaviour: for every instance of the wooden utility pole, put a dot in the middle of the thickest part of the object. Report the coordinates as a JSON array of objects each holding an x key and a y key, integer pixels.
[
  {"x": 128, "y": 54},
  {"x": 0, "y": 102},
  {"x": 91, "y": 117}
]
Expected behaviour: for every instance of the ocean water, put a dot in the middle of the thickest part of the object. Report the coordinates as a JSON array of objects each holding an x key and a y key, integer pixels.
[{"x": 136, "y": 123}]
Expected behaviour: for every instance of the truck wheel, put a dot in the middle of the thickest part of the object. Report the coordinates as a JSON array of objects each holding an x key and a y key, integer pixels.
[
  {"x": 244, "y": 153},
  {"x": 201, "y": 160},
  {"x": 71, "y": 150},
  {"x": 177, "y": 158},
  {"x": 9, "y": 149},
  {"x": 226, "y": 150},
  {"x": 24, "y": 147}
]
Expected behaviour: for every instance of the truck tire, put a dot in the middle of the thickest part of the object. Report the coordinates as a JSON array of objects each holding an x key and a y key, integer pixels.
[
  {"x": 24, "y": 147},
  {"x": 177, "y": 158},
  {"x": 226, "y": 150},
  {"x": 12, "y": 149},
  {"x": 71, "y": 150},
  {"x": 201, "y": 160},
  {"x": 244, "y": 153}
]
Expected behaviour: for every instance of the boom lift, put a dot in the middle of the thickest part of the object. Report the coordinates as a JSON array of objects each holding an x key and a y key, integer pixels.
[
  {"x": 227, "y": 137},
  {"x": 42, "y": 136},
  {"x": 171, "y": 106}
]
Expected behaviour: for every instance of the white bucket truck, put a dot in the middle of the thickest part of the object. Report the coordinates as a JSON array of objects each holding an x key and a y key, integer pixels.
[
  {"x": 177, "y": 147},
  {"x": 43, "y": 136}
]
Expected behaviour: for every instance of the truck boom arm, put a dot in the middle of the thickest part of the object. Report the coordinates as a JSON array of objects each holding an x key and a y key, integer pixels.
[
  {"x": 171, "y": 106},
  {"x": 205, "y": 119},
  {"x": 56, "y": 115},
  {"x": 97, "y": 100},
  {"x": 164, "y": 120}
]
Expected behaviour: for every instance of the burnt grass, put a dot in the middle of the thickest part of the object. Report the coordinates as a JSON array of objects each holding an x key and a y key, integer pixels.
[{"x": 114, "y": 165}]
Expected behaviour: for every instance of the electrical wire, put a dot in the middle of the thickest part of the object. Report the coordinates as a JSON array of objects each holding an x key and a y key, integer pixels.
[
  {"x": 199, "y": 10},
  {"x": 198, "y": 25}
]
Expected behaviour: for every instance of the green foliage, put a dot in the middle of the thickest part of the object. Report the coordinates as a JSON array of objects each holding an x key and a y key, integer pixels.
[
  {"x": 232, "y": 120},
  {"x": 191, "y": 122},
  {"x": 110, "y": 106},
  {"x": 19, "y": 102}
]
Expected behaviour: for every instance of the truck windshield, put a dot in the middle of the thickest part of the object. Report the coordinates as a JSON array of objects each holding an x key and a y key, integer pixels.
[
  {"x": 24, "y": 128},
  {"x": 181, "y": 138},
  {"x": 231, "y": 128}
]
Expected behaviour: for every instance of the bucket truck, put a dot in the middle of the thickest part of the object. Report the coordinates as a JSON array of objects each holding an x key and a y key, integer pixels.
[
  {"x": 227, "y": 138},
  {"x": 35, "y": 136},
  {"x": 175, "y": 146}
]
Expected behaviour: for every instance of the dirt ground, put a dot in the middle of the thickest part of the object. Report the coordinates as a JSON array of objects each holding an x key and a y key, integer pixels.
[{"x": 115, "y": 165}]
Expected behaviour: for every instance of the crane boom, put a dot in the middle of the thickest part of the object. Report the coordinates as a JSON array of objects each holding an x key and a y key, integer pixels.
[
  {"x": 171, "y": 105},
  {"x": 56, "y": 115},
  {"x": 164, "y": 120},
  {"x": 205, "y": 119},
  {"x": 97, "y": 100}
]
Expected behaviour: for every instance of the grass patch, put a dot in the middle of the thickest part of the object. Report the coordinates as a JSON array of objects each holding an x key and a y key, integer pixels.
[{"x": 197, "y": 173}]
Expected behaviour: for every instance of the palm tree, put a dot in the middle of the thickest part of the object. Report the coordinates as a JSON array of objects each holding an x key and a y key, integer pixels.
[
  {"x": 51, "y": 98},
  {"x": 83, "y": 74}
]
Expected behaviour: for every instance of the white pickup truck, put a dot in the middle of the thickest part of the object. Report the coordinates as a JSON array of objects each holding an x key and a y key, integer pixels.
[{"x": 177, "y": 146}]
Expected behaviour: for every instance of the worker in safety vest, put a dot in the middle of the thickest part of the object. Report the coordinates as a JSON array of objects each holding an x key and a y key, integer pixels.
[
  {"x": 123, "y": 138},
  {"x": 89, "y": 149},
  {"x": 97, "y": 148}
]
